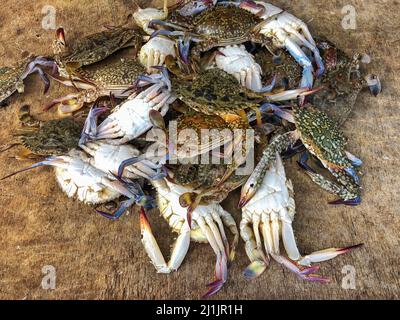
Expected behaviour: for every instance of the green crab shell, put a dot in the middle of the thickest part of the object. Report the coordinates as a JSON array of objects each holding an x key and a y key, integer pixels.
[
  {"x": 55, "y": 137},
  {"x": 121, "y": 73},
  {"x": 10, "y": 81},
  {"x": 214, "y": 91},
  {"x": 321, "y": 136},
  {"x": 229, "y": 24},
  {"x": 99, "y": 46}
]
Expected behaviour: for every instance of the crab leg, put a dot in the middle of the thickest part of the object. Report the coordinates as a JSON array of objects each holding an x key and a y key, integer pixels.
[
  {"x": 231, "y": 224},
  {"x": 221, "y": 268},
  {"x": 290, "y": 94},
  {"x": 288, "y": 238},
  {"x": 304, "y": 273},
  {"x": 259, "y": 261},
  {"x": 345, "y": 192},
  {"x": 325, "y": 255}
]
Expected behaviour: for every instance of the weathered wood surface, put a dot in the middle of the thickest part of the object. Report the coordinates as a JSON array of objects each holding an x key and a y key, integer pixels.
[{"x": 98, "y": 259}]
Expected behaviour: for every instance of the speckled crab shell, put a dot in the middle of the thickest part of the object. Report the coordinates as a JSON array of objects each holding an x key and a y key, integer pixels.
[
  {"x": 10, "y": 80},
  {"x": 215, "y": 92},
  {"x": 45, "y": 138},
  {"x": 342, "y": 82},
  {"x": 229, "y": 24},
  {"x": 120, "y": 73},
  {"x": 98, "y": 46},
  {"x": 321, "y": 135}
]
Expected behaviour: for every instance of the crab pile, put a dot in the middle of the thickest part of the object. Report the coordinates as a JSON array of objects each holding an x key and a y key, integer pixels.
[{"x": 246, "y": 70}]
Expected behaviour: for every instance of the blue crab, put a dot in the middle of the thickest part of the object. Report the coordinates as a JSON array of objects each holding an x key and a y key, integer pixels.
[{"x": 322, "y": 137}]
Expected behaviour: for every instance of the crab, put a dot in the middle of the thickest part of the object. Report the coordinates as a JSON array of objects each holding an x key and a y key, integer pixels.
[
  {"x": 343, "y": 80},
  {"x": 130, "y": 119},
  {"x": 322, "y": 138},
  {"x": 287, "y": 31},
  {"x": 272, "y": 211},
  {"x": 44, "y": 138},
  {"x": 155, "y": 52},
  {"x": 216, "y": 92},
  {"x": 282, "y": 66},
  {"x": 237, "y": 61},
  {"x": 109, "y": 158},
  {"x": 90, "y": 49},
  {"x": 216, "y": 27},
  {"x": 207, "y": 226},
  {"x": 78, "y": 178},
  {"x": 112, "y": 79},
  {"x": 12, "y": 78},
  {"x": 142, "y": 17}
]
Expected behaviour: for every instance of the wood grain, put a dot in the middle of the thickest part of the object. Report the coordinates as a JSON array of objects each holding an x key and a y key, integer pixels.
[{"x": 98, "y": 259}]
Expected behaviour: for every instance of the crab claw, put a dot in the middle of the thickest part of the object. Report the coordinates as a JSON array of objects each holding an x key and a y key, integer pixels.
[
  {"x": 306, "y": 273},
  {"x": 353, "y": 173},
  {"x": 255, "y": 269},
  {"x": 327, "y": 254},
  {"x": 33, "y": 67},
  {"x": 124, "y": 205},
  {"x": 189, "y": 200},
  {"x": 303, "y": 163},
  {"x": 269, "y": 87},
  {"x": 221, "y": 273},
  {"x": 353, "y": 159},
  {"x": 184, "y": 49},
  {"x": 60, "y": 36},
  {"x": 127, "y": 163},
  {"x": 133, "y": 191},
  {"x": 374, "y": 84},
  {"x": 90, "y": 128},
  {"x": 252, "y": 6},
  {"x": 352, "y": 203}
]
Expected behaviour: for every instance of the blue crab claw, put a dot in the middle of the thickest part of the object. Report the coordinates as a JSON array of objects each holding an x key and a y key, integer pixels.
[
  {"x": 353, "y": 159},
  {"x": 352, "y": 203},
  {"x": 221, "y": 274},
  {"x": 124, "y": 205},
  {"x": 305, "y": 273},
  {"x": 33, "y": 67},
  {"x": 374, "y": 84},
  {"x": 184, "y": 49},
  {"x": 164, "y": 77},
  {"x": 214, "y": 287},
  {"x": 269, "y": 87},
  {"x": 90, "y": 128},
  {"x": 127, "y": 163},
  {"x": 303, "y": 163},
  {"x": 292, "y": 151},
  {"x": 320, "y": 63}
]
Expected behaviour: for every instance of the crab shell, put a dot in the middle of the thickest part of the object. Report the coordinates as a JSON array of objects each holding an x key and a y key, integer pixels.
[
  {"x": 10, "y": 81},
  {"x": 94, "y": 48}
]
